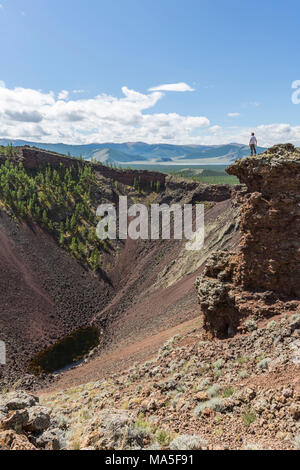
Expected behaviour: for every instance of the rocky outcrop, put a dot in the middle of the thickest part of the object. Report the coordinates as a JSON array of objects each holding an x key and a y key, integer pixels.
[
  {"x": 25, "y": 425},
  {"x": 270, "y": 221},
  {"x": 263, "y": 277}
]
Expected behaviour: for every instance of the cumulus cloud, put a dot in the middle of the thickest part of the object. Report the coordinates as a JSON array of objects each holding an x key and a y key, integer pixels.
[
  {"x": 173, "y": 87},
  {"x": 2, "y": 84},
  {"x": 274, "y": 133},
  {"x": 24, "y": 116},
  {"x": 231, "y": 115},
  {"x": 267, "y": 135},
  {"x": 44, "y": 116},
  {"x": 63, "y": 95}
]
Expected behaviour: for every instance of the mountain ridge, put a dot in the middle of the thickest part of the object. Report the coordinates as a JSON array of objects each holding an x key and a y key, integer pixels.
[{"x": 129, "y": 152}]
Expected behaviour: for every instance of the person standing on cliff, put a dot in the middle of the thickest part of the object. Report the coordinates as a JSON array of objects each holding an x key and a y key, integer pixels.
[{"x": 253, "y": 144}]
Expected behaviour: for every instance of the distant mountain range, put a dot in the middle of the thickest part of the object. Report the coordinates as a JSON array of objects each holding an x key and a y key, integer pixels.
[{"x": 140, "y": 152}]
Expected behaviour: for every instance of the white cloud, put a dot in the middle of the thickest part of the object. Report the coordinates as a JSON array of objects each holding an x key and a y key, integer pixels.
[
  {"x": 36, "y": 115},
  {"x": 2, "y": 84},
  {"x": 42, "y": 116},
  {"x": 233, "y": 115},
  {"x": 78, "y": 92},
  {"x": 215, "y": 129},
  {"x": 278, "y": 133},
  {"x": 267, "y": 135},
  {"x": 173, "y": 87},
  {"x": 24, "y": 116},
  {"x": 63, "y": 95}
]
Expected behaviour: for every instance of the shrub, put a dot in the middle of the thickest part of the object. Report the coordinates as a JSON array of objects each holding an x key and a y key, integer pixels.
[
  {"x": 187, "y": 442},
  {"x": 272, "y": 325},
  {"x": 243, "y": 374},
  {"x": 136, "y": 436},
  {"x": 252, "y": 446},
  {"x": 251, "y": 325},
  {"x": 228, "y": 391},
  {"x": 218, "y": 364},
  {"x": 203, "y": 384},
  {"x": 295, "y": 317},
  {"x": 213, "y": 391},
  {"x": 264, "y": 364},
  {"x": 163, "y": 438},
  {"x": 242, "y": 360},
  {"x": 249, "y": 417},
  {"x": 297, "y": 442},
  {"x": 215, "y": 404}
]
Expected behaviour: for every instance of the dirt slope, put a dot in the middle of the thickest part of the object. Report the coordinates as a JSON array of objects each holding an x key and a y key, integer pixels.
[
  {"x": 45, "y": 294},
  {"x": 140, "y": 314}
]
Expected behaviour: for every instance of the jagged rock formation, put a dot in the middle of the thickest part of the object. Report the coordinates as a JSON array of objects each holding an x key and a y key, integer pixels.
[{"x": 263, "y": 278}]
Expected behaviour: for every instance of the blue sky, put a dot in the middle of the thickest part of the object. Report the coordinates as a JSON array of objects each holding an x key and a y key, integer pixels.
[{"x": 240, "y": 58}]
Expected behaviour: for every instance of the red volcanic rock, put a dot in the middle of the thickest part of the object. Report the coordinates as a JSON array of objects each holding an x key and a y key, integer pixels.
[
  {"x": 269, "y": 256},
  {"x": 264, "y": 276}
]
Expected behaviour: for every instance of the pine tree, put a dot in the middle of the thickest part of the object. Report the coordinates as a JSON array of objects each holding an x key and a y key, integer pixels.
[
  {"x": 45, "y": 217},
  {"x": 94, "y": 259},
  {"x": 73, "y": 246},
  {"x": 61, "y": 238},
  {"x": 73, "y": 221}
]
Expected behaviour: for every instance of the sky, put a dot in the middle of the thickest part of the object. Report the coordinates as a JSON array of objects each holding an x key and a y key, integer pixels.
[{"x": 158, "y": 71}]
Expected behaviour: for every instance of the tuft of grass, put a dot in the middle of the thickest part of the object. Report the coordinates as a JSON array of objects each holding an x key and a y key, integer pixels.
[
  {"x": 242, "y": 360},
  {"x": 228, "y": 391},
  {"x": 163, "y": 438},
  {"x": 141, "y": 423},
  {"x": 249, "y": 417},
  {"x": 75, "y": 445}
]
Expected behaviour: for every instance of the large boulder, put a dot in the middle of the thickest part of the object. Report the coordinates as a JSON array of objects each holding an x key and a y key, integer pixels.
[
  {"x": 25, "y": 425},
  {"x": 20, "y": 400},
  {"x": 38, "y": 419},
  {"x": 10, "y": 440}
]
